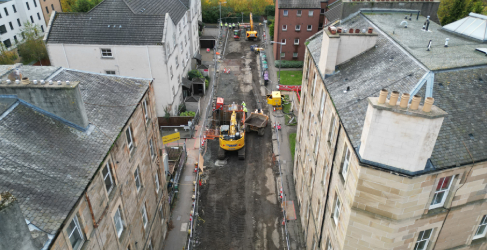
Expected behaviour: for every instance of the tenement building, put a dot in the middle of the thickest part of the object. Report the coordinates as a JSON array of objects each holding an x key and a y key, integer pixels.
[
  {"x": 80, "y": 161},
  {"x": 390, "y": 150}
]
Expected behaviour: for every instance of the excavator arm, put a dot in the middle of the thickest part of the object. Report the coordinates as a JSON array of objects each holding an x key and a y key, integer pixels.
[{"x": 251, "y": 23}]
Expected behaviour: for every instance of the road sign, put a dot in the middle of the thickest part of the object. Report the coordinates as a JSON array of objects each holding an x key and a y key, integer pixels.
[{"x": 170, "y": 138}]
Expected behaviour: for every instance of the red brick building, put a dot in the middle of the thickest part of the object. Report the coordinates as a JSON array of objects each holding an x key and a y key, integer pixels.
[{"x": 296, "y": 21}]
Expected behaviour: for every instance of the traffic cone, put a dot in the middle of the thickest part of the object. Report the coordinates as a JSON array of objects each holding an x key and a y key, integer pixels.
[
  {"x": 283, "y": 221},
  {"x": 228, "y": 72},
  {"x": 274, "y": 109}
]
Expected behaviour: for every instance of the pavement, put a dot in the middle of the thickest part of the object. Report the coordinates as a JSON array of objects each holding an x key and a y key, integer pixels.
[{"x": 296, "y": 239}]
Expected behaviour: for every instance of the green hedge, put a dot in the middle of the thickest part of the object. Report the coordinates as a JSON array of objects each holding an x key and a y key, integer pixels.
[{"x": 288, "y": 64}]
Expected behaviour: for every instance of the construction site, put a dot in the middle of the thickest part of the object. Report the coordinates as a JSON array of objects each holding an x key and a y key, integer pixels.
[{"x": 238, "y": 203}]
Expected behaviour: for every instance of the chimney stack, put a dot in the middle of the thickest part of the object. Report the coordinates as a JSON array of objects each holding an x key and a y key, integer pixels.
[
  {"x": 400, "y": 137},
  {"x": 337, "y": 48},
  {"x": 62, "y": 99},
  {"x": 15, "y": 233}
]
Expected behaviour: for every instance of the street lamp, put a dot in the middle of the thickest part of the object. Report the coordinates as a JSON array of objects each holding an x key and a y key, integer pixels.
[
  {"x": 280, "y": 52},
  {"x": 220, "y": 3}
]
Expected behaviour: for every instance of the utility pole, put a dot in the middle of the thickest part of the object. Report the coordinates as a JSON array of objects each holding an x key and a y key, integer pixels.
[
  {"x": 220, "y": 3},
  {"x": 280, "y": 61}
]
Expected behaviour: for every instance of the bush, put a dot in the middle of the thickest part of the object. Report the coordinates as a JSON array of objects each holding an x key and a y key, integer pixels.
[
  {"x": 271, "y": 30},
  {"x": 270, "y": 10},
  {"x": 194, "y": 74},
  {"x": 288, "y": 64},
  {"x": 188, "y": 113},
  {"x": 7, "y": 57}
]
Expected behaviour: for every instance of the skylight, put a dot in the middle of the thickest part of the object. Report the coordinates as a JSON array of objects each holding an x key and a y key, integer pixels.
[{"x": 473, "y": 26}]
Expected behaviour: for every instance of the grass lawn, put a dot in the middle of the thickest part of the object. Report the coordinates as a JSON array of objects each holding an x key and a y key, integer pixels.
[
  {"x": 292, "y": 143},
  {"x": 293, "y": 77}
]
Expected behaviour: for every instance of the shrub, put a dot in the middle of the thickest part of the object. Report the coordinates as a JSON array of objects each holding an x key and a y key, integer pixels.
[
  {"x": 288, "y": 64},
  {"x": 188, "y": 113},
  {"x": 194, "y": 74}
]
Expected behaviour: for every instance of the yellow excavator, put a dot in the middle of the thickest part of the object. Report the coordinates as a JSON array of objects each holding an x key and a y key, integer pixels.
[
  {"x": 232, "y": 137},
  {"x": 251, "y": 34}
]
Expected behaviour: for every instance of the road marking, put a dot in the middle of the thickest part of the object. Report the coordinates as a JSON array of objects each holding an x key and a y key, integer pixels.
[{"x": 184, "y": 227}]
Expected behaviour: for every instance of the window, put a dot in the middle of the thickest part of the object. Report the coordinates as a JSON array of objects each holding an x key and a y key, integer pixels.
[
  {"x": 322, "y": 11},
  {"x": 38, "y": 16},
  {"x": 296, "y": 41},
  {"x": 328, "y": 245},
  {"x": 13, "y": 7},
  {"x": 423, "y": 240},
  {"x": 310, "y": 27},
  {"x": 156, "y": 179},
  {"x": 52, "y": 6},
  {"x": 314, "y": 80},
  {"x": 16, "y": 40},
  {"x": 283, "y": 55},
  {"x": 177, "y": 61},
  {"x": 151, "y": 145},
  {"x": 295, "y": 55},
  {"x": 322, "y": 104},
  {"x": 298, "y": 27},
  {"x": 28, "y": 7},
  {"x": 117, "y": 218},
  {"x": 7, "y": 43},
  {"x": 284, "y": 13},
  {"x": 308, "y": 69},
  {"x": 337, "y": 210},
  {"x": 481, "y": 229},
  {"x": 283, "y": 41},
  {"x": 146, "y": 114},
  {"x": 331, "y": 132},
  {"x": 170, "y": 69},
  {"x": 47, "y": 10},
  {"x": 6, "y": 12},
  {"x": 310, "y": 13},
  {"x": 324, "y": 175},
  {"x": 35, "y": 3},
  {"x": 18, "y": 22},
  {"x": 106, "y": 53},
  {"x": 42, "y": 28},
  {"x": 317, "y": 145},
  {"x": 107, "y": 178},
  {"x": 137, "y": 179},
  {"x": 299, "y": 12},
  {"x": 74, "y": 234},
  {"x": 3, "y": 30},
  {"x": 144, "y": 215},
  {"x": 441, "y": 192},
  {"x": 284, "y": 27},
  {"x": 31, "y": 19},
  {"x": 130, "y": 139},
  {"x": 345, "y": 161},
  {"x": 110, "y": 72},
  {"x": 11, "y": 26},
  {"x": 149, "y": 247}
]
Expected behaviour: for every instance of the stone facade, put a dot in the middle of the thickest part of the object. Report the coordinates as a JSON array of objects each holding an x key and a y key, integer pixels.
[
  {"x": 99, "y": 207},
  {"x": 379, "y": 208}
]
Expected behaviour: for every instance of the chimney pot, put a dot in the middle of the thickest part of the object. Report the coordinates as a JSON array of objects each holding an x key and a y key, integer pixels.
[
  {"x": 404, "y": 100},
  {"x": 350, "y": 31},
  {"x": 8, "y": 81},
  {"x": 43, "y": 82},
  {"x": 25, "y": 80},
  {"x": 394, "y": 97},
  {"x": 68, "y": 83},
  {"x": 35, "y": 82},
  {"x": 428, "y": 102},
  {"x": 17, "y": 81},
  {"x": 383, "y": 96},
  {"x": 332, "y": 29},
  {"x": 357, "y": 31},
  {"x": 50, "y": 82},
  {"x": 339, "y": 30},
  {"x": 59, "y": 83},
  {"x": 370, "y": 30},
  {"x": 415, "y": 102}
]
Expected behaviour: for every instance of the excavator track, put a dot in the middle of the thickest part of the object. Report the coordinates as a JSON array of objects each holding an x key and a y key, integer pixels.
[{"x": 241, "y": 154}]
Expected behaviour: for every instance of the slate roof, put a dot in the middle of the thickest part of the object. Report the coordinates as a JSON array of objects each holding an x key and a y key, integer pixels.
[
  {"x": 48, "y": 164},
  {"x": 460, "y": 52},
  {"x": 462, "y": 94},
  {"x": 117, "y": 22},
  {"x": 299, "y": 4}
]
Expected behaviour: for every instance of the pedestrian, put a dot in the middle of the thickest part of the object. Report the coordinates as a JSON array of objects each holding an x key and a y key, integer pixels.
[
  {"x": 245, "y": 110},
  {"x": 243, "y": 104}
]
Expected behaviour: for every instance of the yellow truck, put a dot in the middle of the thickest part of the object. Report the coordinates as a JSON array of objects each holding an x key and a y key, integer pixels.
[{"x": 275, "y": 99}]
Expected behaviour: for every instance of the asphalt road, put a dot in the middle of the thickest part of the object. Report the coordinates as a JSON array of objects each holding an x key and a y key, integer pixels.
[{"x": 238, "y": 202}]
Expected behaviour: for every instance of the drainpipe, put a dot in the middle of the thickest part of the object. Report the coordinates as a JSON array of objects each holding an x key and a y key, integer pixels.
[{"x": 328, "y": 189}]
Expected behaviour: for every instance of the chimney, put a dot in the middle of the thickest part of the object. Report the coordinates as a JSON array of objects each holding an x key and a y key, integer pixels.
[
  {"x": 14, "y": 232},
  {"x": 62, "y": 99},
  {"x": 337, "y": 48},
  {"x": 401, "y": 138}
]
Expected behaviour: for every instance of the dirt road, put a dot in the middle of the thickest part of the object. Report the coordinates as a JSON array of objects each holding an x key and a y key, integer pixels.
[{"x": 238, "y": 204}]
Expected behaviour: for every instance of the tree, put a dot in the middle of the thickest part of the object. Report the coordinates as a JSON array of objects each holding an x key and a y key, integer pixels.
[
  {"x": 7, "y": 57},
  {"x": 453, "y": 10},
  {"x": 32, "y": 48},
  {"x": 271, "y": 30},
  {"x": 270, "y": 10},
  {"x": 194, "y": 74},
  {"x": 79, "y": 5}
]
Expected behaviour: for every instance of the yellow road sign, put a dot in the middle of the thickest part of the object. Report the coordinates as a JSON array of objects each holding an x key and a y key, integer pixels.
[{"x": 170, "y": 138}]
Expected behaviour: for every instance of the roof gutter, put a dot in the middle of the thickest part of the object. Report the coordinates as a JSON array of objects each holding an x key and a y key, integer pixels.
[{"x": 49, "y": 25}]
